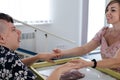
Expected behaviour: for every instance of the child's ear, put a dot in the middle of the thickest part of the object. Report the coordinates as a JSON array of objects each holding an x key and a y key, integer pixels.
[{"x": 2, "y": 39}]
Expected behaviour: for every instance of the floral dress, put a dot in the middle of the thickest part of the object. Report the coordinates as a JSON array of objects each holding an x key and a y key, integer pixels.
[
  {"x": 106, "y": 51},
  {"x": 11, "y": 67}
]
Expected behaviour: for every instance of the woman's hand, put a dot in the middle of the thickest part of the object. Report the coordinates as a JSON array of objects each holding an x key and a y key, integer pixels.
[
  {"x": 81, "y": 63},
  {"x": 58, "y": 51}
]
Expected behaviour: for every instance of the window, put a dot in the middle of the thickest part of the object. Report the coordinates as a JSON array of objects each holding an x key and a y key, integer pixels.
[
  {"x": 96, "y": 17},
  {"x": 30, "y": 11}
]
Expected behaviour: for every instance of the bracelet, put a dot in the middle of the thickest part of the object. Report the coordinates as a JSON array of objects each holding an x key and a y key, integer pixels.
[{"x": 95, "y": 63}]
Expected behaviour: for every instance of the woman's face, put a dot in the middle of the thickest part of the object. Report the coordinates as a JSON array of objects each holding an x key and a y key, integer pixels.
[{"x": 113, "y": 13}]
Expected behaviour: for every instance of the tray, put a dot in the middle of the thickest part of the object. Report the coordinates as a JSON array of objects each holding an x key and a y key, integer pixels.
[
  {"x": 39, "y": 65},
  {"x": 43, "y": 69}
]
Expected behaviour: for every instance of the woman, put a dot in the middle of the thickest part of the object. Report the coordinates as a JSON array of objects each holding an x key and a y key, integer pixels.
[{"x": 108, "y": 38}]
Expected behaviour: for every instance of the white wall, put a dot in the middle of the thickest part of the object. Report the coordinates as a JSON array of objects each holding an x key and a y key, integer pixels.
[
  {"x": 67, "y": 21},
  {"x": 68, "y": 17}
]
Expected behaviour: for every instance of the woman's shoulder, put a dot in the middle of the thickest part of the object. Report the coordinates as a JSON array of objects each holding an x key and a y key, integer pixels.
[{"x": 102, "y": 31}]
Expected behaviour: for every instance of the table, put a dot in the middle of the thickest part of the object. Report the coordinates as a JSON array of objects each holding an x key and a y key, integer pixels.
[{"x": 43, "y": 70}]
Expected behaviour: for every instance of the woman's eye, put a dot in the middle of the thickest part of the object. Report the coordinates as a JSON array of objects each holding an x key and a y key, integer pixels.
[
  {"x": 14, "y": 29},
  {"x": 113, "y": 10}
]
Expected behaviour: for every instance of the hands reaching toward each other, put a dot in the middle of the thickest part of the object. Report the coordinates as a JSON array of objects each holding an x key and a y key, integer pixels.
[
  {"x": 79, "y": 62},
  {"x": 58, "y": 51}
]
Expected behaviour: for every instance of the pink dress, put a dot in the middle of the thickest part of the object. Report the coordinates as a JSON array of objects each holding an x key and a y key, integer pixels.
[{"x": 106, "y": 51}]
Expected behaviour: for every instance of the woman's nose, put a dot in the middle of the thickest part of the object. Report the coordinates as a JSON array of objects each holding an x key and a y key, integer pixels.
[{"x": 108, "y": 13}]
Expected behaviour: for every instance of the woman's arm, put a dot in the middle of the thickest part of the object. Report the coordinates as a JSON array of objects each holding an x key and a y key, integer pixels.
[
  {"x": 105, "y": 63},
  {"x": 78, "y": 51},
  {"x": 109, "y": 63}
]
